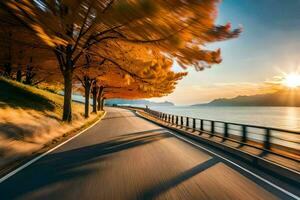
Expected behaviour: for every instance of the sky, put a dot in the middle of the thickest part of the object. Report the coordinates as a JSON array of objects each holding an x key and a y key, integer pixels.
[{"x": 268, "y": 47}]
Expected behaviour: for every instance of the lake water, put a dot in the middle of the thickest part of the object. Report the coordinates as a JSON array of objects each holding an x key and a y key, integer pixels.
[{"x": 277, "y": 117}]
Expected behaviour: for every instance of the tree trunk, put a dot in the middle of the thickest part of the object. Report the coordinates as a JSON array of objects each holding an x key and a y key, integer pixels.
[
  {"x": 67, "y": 112},
  {"x": 99, "y": 102},
  {"x": 66, "y": 66},
  {"x": 29, "y": 74},
  {"x": 99, "y": 98},
  {"x": 94, "y": 92},
  {"x": 87, "y": 92},
  {"x": 19, "y": 74},
  {"x": 102, "y": 103},
  {"x": 7, "y": 70}
]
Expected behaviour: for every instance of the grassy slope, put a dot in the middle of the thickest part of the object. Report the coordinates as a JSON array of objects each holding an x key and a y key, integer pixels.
[
  {"x": 30, "y": 119},
  {"x": 18, "y": 95}
]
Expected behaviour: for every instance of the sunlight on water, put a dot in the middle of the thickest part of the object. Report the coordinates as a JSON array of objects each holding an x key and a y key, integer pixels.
[
  {"x": 293, "y": 118},
  {"x": 277, "y": 117}
]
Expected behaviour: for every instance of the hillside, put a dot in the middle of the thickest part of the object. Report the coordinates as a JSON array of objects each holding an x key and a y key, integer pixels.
[
  {"x": 30, "y": 119},
  {"x": 17, "y": 95},
  {"x": 280, "y": 98}
]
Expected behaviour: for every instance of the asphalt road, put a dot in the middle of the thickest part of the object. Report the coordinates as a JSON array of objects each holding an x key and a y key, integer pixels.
[{"x": 127, "y": 157}]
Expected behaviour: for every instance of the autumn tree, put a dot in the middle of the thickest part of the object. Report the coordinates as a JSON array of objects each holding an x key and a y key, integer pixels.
[
  {"x": 156, "y": 79},
  {"x": 22, "y": 53},
  {"x": 140, "y": 89},
  {"x": 128, "y": 69},
  {"x": 179, "y": 29},
  {"x": 87, "y": 76}
]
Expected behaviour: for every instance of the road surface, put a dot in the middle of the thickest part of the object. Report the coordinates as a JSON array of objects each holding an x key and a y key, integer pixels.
[{"x": 127, "y": 157}]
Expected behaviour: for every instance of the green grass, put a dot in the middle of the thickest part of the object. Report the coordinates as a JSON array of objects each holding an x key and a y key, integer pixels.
[{"x": 17, "y": 95}]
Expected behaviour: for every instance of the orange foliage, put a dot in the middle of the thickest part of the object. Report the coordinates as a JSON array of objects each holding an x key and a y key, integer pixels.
[
  {"x": 139, "y": 37},
  {"x": 178, "y": 28}
]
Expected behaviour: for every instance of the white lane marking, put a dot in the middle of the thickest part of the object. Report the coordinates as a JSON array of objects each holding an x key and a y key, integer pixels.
[
  {"x": 242, "y": 168},
  {"x": 47, "y": 152},
  {"x": 233, "y": 163}
]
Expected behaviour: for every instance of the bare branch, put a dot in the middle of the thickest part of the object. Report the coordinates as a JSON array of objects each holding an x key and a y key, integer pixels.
[
  {"x": 108, "y": 6},
  {"x": 38, "y": 82},
  {"x": 82, "y": 27}
]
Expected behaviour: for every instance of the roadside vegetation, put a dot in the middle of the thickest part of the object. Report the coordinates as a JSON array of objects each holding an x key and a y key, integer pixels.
[{"x": 30, "y": 120}]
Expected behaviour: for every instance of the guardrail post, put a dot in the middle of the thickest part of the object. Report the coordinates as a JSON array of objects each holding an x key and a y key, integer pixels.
[
  {"x": 212, "y": 127},
  {"x": 187, "y": 122},
  {"x": 172, "y": 119},
  {"x": 169, "y": 118},
  {"x": 176, "y": 120},
  {"x": 267, "y": 143},
  {"x": 244, "y": 133},
  {"x": 226, "y": 130},
  {"x": 201, "y": 125},
  {"x": 194, "y": 123},
  {"x": 181, "y": 121}
]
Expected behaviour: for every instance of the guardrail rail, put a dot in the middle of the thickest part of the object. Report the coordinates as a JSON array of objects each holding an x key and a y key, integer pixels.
[{"x": 267, "y": 139}]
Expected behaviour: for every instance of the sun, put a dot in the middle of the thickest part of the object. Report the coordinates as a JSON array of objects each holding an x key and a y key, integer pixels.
[{"x": 291, "y": 80}]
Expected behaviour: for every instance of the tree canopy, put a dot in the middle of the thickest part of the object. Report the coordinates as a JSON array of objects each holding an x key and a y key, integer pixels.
[{"x": 127, "y": 35}]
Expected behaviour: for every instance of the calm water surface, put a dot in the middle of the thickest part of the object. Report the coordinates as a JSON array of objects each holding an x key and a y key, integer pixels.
[{"x": 278, "y": 117}]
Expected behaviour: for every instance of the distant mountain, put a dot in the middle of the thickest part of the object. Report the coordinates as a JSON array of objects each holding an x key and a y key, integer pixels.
[
  {"x": 138, "y": 102},
  {"x": 165, "y": 103},
  {"x": 280, "y": 98}
]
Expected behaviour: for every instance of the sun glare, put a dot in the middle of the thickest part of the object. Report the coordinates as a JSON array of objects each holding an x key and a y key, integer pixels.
[{"x": 291, "y": 80}]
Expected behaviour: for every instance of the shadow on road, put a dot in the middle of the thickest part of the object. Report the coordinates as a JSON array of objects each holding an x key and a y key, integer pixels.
[
  {"x": 63, "y": 166},
  {"x": 173, "y": 182}
]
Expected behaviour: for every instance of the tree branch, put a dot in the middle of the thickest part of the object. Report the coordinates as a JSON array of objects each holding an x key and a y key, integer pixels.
[
  {"x": 60, "y": 61},
  {"x": 125, "y": 70},
  {"x": 82, "y": 27},
  {"x": 108, "y": 6}
]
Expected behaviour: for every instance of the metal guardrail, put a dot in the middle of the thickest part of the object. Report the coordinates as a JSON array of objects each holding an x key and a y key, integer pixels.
[{"x": 256, "y": 136}]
